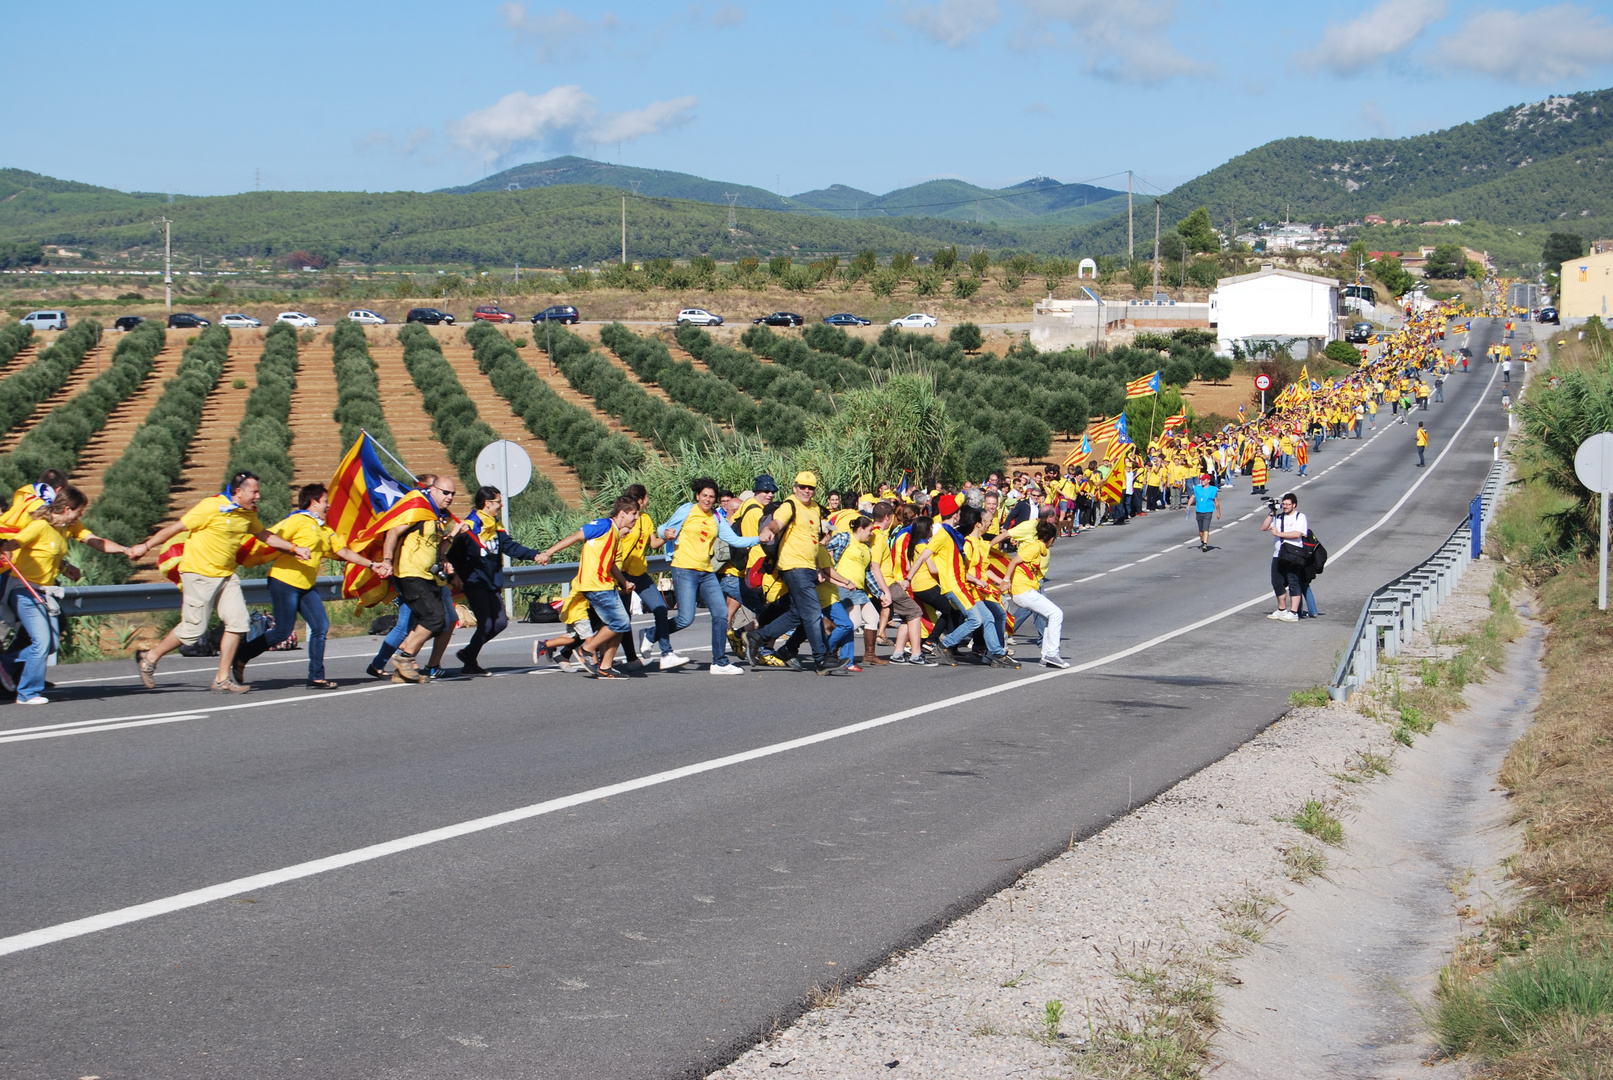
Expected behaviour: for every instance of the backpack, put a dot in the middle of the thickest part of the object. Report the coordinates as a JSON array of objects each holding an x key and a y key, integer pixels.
[{"x": 1315, "y": 553}]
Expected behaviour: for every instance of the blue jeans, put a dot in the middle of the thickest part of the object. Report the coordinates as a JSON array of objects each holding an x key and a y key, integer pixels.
[
  {"x": 41, "y": 628},
  {"x": 844, "y": 637},
  {"x": 607, "y": 604},
  {"x": 702, "y": 584},
  {"x": 655, "y": 604},
  {"x": 804, "y": 613},
  {"x": 978, "y": 617},
  {"x": 289, "y": 602}
]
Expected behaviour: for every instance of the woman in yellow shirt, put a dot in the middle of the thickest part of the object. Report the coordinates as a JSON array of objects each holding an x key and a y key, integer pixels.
[
  {"x": 1025, "y": 573},
  {"x": 291, "y": 584},
  {"x": 36, "y": 553}
]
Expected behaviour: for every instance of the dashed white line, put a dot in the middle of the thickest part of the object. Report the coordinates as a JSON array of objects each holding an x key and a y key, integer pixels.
[
  {"x": 1155, "y": 555},
  {"x": 1122, "y": 566}
]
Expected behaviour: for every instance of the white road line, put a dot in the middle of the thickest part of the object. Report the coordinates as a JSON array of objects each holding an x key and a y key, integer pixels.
[
  {"x": 1155, "y": 555},
  {"x": 1122, "y": 566},
  {"x": 1089, "y": 577},
  {"x": 34, "y": 939},
  {"x": 10, "y": 738}
]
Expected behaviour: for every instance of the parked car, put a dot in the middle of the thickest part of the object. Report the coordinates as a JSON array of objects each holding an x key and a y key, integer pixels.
[
  {"x": 1547, "y": 314},
  {"x": 46, "y": 320},
  {"x": 296, "y": 318},
  {"x": 693, "y": 316},
  {"x": 491, "y": 314},
  {"x": 237, "y": 321},
  {"x": 780, "y": 318},
  {"x": 429, "y": 315},
  {"x": 184, "y": 320},
  {"x": 1359, "y": 334},
  {"x": 560, "y": 313},
  {"x": 366, "y": 317},
  {"x": 845, "y": 318},
  {"x": 128, "y": 322},
  {"x": 916, "y": 320}
]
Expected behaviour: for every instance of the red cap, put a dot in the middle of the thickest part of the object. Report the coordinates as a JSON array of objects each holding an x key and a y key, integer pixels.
[{"x": 948, "y": 505}]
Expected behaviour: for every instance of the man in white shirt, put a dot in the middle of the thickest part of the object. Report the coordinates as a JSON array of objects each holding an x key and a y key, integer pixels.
[{"x": 1288, "y": 561}]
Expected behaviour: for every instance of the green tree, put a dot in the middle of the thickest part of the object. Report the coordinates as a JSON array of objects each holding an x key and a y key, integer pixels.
[
  {"x": 979, "y": 262},
  {"x": 1215, "y": 368},
  {"x": 1396, "y": 278},
  {"x": 902, "y": 262},
  {"x": 1560, "y": 247},
  {"x": 1198, "y": 232},
  {"x": 778, "y": 265},
  {"x": 1068, "y": 412},
  {"x": 985, "y": 456},
  {"x": 945, "y": 258},
  {"x": 965, "y": 287},
  {"x": 1142, "y": 275},
  {"x": 1342, "y": 352},
  {"x": 1030, "y": 437},
  {"x": 1446, "y": 262},
  {"x": 862, "y": 264},
  {"x": 967, "y": 335}
]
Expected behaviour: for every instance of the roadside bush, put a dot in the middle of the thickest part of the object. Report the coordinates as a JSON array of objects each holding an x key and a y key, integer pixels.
[
  {"x": 965, "y": 287},
  {"x": 21, "y": 393},
  {"x": 967, "y": 335},
  {"x": 262, "y": 443},
  {"x": 454, "y": 420},
  {"x": 985, "y": 456},
  {"x": 358, "y": 391},
  {"x": 134, "y": 495},
  {"x": 1342, "y": 352},
  {"x": 12, "y": 339},
  {"x": 666, "y": 426},
  {"x": 779, "y": 422},
  {"x": 571, "y": 432},
  {"x": 61, "y": 435}
]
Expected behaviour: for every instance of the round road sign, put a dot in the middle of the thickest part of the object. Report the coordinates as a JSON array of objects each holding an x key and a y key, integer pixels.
[
  {"x": 1262, "y": 382},
  {"x": 1593, "y": 462},
  {"x": 504, "y": 465}
]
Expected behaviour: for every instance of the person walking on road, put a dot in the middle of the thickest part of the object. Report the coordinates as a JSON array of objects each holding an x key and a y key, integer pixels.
[
  {"x": 218, "y": 526},
  {"x": 1422, "y": 443},
  {"x": 478, "y": 554},
  {"x": 601, "y": 581},
  {"x": 415, "y": 555},
  {"x": 1506, "y": 371},
  {"x": 1206, "y": 503},
  {"x": 796, "y": 523},
  {"x": 1025, "y": 573}
]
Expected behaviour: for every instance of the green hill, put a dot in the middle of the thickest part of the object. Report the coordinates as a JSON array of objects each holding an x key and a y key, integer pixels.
[{"x": 565, "y": 171}]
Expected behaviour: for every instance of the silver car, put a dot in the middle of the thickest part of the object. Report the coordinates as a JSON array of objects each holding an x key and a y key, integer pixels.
[
  {"x": 237, "y": 321},
  {"x": 366, "y": 317}
]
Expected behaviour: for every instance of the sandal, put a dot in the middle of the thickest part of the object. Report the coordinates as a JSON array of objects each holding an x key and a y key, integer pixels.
[{"x": 321, "y": 684}]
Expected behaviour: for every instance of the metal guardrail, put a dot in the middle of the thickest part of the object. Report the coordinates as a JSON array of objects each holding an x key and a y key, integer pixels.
[
  {"x": 1396, "y": 611},
  {"x": 162, "y": 596}
]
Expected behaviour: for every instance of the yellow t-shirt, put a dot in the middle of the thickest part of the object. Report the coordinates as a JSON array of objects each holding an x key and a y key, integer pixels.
[
  {"x": 630, "y": 547},
  {"x": 40, "y": 551},
  {"x": 23, "y": 503},
  {"x": 798, "y": 544},
  {"x": 696, "y": 540},
  {"x": 417, "y": 554},
  {"x": 1032, "y": 567},
  {"x": 880, "y": 545},
  {"x": 922, "y": 578},
  {"x": 216, "y": 534},
  {"x": 598, "y": 559},
  {"x": 949, "y": 562},
  {"x": 302, "y": 530},
  {"x": 1422, "y": 436},
  {"x": 748, "y": 522},
  {"x": 854, "y": 562},
  {"x": 828, "y": 591}
]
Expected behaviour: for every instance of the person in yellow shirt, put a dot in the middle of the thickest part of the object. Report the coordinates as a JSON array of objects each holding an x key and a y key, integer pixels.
[
  {"x": 36, "y": 554},
  {"x": 291, "y": 585},
  {"x": 30, "y": 497},
  {"x": 796, "y": 521},
  {"x": 697, "y": 527},
  {"x": 852, "y": 609},
  {"x": 1422, "y": 443},
  {"x": 600, "y": 579},
  {"x": 218, "y": 526},
  {"x": 631, "y": 556},
  {"x": 1026, "y": 571}
]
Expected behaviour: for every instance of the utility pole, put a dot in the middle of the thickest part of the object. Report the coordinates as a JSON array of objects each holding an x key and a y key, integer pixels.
[
  {"x": 167, "y": 263},
  {"x": 1156, "y": 248},
  {"x": 624, "y": 230},
  {"x": 1131, "y": 242}
]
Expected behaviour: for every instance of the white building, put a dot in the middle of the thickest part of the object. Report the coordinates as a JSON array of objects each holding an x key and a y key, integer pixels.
[{"x": 1301, "y": 311}]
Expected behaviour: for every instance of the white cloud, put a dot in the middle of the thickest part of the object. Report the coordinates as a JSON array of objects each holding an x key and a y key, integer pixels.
[
  {"x": 1545, "y": 45},
  {"x": 1119, "y": 42},
  {"x": 953, "y": 23},
  {"x": 557, "y": 33},
  {"x": 1388, "y": 29},
  {"x": 559, "y": 118}
]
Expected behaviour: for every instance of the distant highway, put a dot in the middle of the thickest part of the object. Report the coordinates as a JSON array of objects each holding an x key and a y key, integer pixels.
[{"x": 539, "y": 875}]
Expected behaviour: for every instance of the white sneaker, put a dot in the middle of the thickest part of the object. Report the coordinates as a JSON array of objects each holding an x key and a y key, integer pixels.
[
  {"x": 647, "y": 644},
  {"x": 1055, "y": 661},
  {"x": 570, "y": 665},
  {"x": 1276, "y": 616},
  {"x": 725, "y": 668},
  {"x": 1288, "y": 616},
  {"x": 672, "y": 661},
  {"x": 37, "y": 699}
]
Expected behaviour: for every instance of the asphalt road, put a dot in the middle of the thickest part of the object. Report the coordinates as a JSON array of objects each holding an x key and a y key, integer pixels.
[{"x": 538, "y": 875}]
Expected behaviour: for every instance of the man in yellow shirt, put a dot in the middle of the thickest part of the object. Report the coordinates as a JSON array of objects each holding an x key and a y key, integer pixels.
[
  {"x": 218, "y": 526},
  {"x": 1422, "y": 443},
  {"x": 600, "y": 579},
  {"x": 37, "y": 551},
  {"x": 413, "y": 554},
  {"x": 291, "y": 584},
  {"x": 796, "y": 521},
  {"x": 631, "y": 552}
]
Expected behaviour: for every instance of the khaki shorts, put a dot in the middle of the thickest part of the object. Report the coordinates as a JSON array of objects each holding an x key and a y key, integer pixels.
[
  {"x": 202, "y": 595},
  {"x": 903, "y": 605}
]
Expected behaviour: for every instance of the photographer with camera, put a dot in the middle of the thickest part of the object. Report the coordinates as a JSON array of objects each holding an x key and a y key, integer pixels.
[{"x": 1288, "y": 561}]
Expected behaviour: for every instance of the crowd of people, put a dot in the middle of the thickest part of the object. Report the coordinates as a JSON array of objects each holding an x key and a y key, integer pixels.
[{"x": 937, "y": 575}]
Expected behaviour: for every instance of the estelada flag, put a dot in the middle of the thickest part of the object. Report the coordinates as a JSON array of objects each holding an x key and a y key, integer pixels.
[
  {"x": 1176, "y": 421},
  {"x": 1115, "y": 485},
  {"x": 1148, "y": 384},
  {"x": 1080, "y": 453},
  {"x": 365, "y": 503},
  {"x": 1104, "y": 430}
]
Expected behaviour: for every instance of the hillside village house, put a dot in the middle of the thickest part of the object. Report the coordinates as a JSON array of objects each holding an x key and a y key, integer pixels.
[
  {"x": 1301, "y": 311},
  {"x": 1587, "y": 284}
]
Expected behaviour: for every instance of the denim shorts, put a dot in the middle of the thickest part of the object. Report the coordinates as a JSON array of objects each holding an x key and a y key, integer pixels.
[{"x": 607, "y": 605}]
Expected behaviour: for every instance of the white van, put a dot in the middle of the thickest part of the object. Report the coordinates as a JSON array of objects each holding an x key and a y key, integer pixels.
[{"x": 46, "y": 320}]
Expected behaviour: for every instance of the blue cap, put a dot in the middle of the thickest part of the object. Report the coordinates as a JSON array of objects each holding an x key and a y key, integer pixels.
[{"x": 764, "y": 483}]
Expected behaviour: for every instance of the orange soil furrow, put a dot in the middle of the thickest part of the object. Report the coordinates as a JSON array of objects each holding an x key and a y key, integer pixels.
[
  {"x": 108, "y": 444},
  {"x": 680, "y": 354},
  {"x": 209, "y": 453},
  {"x": 496, "y": 412},
  {"x": 25, "y": 356},
  {"x": 316, "y": 444},
  {"x": 406, "y": 413},
  {"x": 93, "y": 364}
]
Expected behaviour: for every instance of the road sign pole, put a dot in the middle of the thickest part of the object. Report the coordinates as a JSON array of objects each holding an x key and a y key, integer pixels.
[
  {"x": 1607, "y": 472},
  {"x": 504, "y": 453}
]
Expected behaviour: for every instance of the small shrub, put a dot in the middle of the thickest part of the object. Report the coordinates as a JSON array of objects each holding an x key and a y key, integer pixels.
[
  {"x": 965, "y": 287},
  {"x": 1315, "y": 819},
  {"x": 1313, "y": 697},
  {"x": 238, "y": 384},
  {"x": 968, "y": 336}
]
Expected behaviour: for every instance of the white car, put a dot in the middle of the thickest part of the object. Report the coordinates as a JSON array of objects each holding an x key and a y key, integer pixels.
[
  {"x": 297, "y": 318},
  {"x": 915, "y": 321},
  {"x": 365, "y": 317},
  {"x": 237, "y": 321},
  {"x": 698, "y": 317}
]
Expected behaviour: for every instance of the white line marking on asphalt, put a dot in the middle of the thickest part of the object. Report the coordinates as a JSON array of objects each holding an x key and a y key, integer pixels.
[
  {"x": 56, "y": 733},
  {"x": 1122, "y": 566},
  {"x": 34, "y": 939},
  {"x": 1089, "y": 577},
  {"x": 1155, "y": 555}
]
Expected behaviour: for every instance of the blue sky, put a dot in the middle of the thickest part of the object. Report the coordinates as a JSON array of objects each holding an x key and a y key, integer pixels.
[{"x": 205, "y": 99}]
